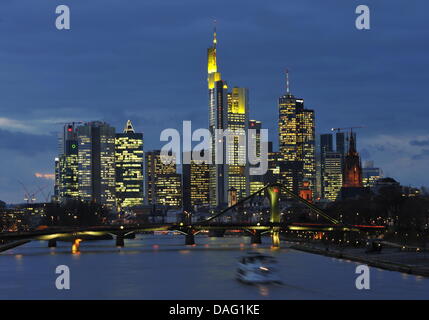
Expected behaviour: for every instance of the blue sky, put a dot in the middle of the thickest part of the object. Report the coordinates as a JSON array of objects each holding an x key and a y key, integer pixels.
[{"x": 146, "y": 61}]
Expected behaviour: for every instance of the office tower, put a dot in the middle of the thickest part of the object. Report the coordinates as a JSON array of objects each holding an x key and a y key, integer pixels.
[
  {"x": 66, "y": 165},
  {"x": 186, "y": 187},
  {"x": 332, "y": 175},
  {"x": 256, "y": 135},
  {"x": 163, "y": 183},
  {"x": 326, "y": 146},
  {"x": 297, "y": 140},
  {"x": 55, "y": 197},
  {"x": 273, "y": 172},
  {"x": 326, "y": 143},
  {"x": 195, "y": 184},
  {"x": 238, "y": 121},
  {"x": 96, "y": 169},
  {"x": 341, "y": 145},
  {"x": 218, "y": 119},
  {"x": 370, "y": 174},
  {"x": 256, "y": 182},
  {"x": 129, "y": 158}
]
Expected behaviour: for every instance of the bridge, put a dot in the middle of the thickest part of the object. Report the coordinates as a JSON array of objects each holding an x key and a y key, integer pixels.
[{"x": 273, "y": 227}]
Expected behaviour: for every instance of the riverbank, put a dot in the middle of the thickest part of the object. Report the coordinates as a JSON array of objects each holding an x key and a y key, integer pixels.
[
  {"x": 12, "y": 245},
  {"x": 416, "y": 263}
]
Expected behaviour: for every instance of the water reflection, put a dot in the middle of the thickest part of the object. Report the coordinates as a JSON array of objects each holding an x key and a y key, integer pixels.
[{"x": 159, "y": 267}]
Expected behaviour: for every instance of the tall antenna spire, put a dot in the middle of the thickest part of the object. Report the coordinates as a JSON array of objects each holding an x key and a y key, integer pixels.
[
  {"x": 287, "y": 82},
  {"x": 214, "y": 33}
]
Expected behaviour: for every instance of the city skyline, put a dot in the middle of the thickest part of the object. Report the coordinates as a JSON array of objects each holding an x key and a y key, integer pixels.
[{"x": 24, "y": 134}]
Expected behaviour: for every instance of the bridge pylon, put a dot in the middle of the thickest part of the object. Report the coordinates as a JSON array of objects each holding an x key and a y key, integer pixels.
[
  {"x": 120, "y": 242},
  {"x": 189, "y": 239},
  {"x": 273, "y": 194},
  {"x": 52, "y": 243},
  {"x": 255, "y": 237}
]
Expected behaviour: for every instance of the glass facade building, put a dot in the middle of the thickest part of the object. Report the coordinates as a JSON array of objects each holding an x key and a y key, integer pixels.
[{"x": 129, "y": 159}]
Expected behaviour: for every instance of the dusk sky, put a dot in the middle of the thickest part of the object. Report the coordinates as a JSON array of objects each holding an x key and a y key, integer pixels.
[{"x": 146, "y": 61}]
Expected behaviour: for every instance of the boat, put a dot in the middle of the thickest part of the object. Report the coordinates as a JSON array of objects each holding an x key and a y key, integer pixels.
[{"x": 257, "y": 268}]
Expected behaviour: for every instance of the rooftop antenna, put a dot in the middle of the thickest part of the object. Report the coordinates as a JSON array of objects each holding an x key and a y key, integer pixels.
[
  {"x": 287, "y": 82},
  {"x": 214, "y": 32}
]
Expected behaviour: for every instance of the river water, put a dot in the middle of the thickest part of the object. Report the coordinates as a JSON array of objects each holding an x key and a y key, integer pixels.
[{"x": 162, "y": 267}]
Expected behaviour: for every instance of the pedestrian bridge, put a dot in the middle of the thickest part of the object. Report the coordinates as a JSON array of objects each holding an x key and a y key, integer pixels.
[{"x": 273, "y": 227}]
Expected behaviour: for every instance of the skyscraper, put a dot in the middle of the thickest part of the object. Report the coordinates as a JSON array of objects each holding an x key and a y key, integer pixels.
[
  {"x": 326, "y": 143},
  {"x": 332, "y": 175},
  {"x": 218, "y": 119},
  {"x": 238, "y": 121},
  {"x": 163, "y": 183},
  {"x": 227, "y": 110},
  {"x": 326, "y": 146},
  {"x": 129, "y": 158},
  {"x": 66, "y": 165},
  {"x": 341, "y": 145},
  {"x": 297, "y": 140},
  {"x": 96, "y": 169},
  {"x": 195, "y": 177},
  {"x": 256, "y": 182}
]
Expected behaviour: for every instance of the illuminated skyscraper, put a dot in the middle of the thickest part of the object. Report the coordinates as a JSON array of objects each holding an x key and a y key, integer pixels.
[
  {"x": 326, "y": 146},
  {"x": 129, "y": 158},
  {"x": 238, "y": 120},
  {"x": 66, "y": 165},
  {"x": 332, "y": 175},
  {"x": 256, "y": 182},
  {"x": 297, "y": 140},
  {"x": 96, "y": 170},
  {"x": 195, "y": 184},
  {"x": 227, "y": 110},
  {"x": 218, "y": 119},
  {"x": 163, "y": 184}
]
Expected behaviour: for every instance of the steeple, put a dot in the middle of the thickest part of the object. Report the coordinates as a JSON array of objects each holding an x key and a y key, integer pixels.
[
  {"x": 352, "y": 143},
  {"x": 129, "y": 127}
]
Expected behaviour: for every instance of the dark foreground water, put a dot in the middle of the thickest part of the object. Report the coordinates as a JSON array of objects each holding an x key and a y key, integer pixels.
[{"x": 161, "y": 267}]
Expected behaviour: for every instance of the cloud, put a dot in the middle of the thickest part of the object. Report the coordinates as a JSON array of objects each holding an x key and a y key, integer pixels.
[
  {"x": 47, "y": 176},
  {"x": 27, "y": 143},
  {"x": 424, "y": 154},
  {"x": 420, "y": 143},
  {"x": 398, "y": 157}
]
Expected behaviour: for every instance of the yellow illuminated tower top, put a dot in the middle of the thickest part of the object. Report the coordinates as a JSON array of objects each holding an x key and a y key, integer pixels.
[{"x": 213, "y": 75}]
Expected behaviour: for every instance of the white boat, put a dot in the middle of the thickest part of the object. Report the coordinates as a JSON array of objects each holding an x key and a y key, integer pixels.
[{"x": 257, "y": 268}]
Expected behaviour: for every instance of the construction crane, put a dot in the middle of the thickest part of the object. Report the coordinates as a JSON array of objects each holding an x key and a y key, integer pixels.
[
  {"x": 71, "y": 122},
  {"x": 46, "y": 196},
  {"x": 347, "y": 128},
  {"x": 30, "y": 197}
]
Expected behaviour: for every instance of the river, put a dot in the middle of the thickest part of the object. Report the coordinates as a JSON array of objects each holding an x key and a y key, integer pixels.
[{"x": 162, "y": 267}]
